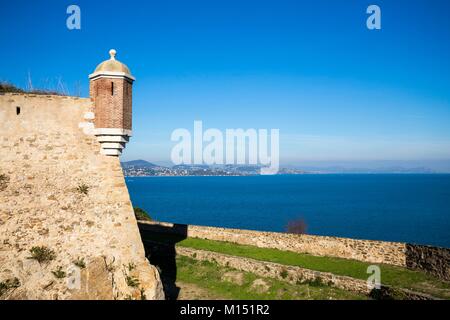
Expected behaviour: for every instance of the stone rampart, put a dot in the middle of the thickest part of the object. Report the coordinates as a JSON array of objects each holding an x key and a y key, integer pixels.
[
  {"x": 433, "y": 260},
  {"x": 58, "y": 192}
]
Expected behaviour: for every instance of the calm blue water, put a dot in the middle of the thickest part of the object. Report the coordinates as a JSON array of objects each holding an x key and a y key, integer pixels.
[{"x": 413, "y": 208}]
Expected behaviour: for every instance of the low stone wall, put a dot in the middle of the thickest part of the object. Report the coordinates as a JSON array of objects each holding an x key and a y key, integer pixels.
[
  {"x": 362, "y": 250},
  {"x": 432, "y": 260},
  {"x": 296, "y": 275}
]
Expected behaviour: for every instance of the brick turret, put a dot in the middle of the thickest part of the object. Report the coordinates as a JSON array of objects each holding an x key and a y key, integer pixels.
[{"x": 111, "y": 90}]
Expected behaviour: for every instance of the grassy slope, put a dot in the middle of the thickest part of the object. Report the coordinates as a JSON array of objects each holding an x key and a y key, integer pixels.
[
  {"x": 209, "y": 276},
  {"x": 390, "y": 275}
]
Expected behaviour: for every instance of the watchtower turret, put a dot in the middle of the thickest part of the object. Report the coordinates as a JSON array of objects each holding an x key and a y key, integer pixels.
[{"x": 111, "y": 90}]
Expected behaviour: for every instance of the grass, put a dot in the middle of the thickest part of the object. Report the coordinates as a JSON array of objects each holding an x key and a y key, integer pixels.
[
  {"x": 209, "y": 275},
  {"x": 390, "y": 275},
  {"x": 6, "y": 87},
  {"x": 42, "y": 254}
]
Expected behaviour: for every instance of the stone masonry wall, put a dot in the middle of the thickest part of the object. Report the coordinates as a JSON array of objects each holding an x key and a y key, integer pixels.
[
  {"x": 433, "y": 260},
  {"x": 48, "y": 158}
]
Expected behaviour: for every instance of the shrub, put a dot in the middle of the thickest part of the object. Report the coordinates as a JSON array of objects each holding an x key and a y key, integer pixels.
[
  {"x": 6, "y": 87},
  {"x": 42, "y": 254},
  {"x": 59, "y": 273},
  {"x": 284, "y": 273},
  {"x": 316, "y": 282},
  {"x": 83, "y": 189},
  {"x": 141, "y": 215},
  {"x": 8, "y": 284},
  {"x": 297, "y": 226},
  {"x": 388, "y": 293},
  {"x": 80, "y": 263}
]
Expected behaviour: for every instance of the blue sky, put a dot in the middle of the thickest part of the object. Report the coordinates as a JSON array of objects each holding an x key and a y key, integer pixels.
[{"x": 336, "y": 90}]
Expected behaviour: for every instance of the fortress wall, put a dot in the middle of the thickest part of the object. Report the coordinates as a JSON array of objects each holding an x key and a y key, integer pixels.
[
  {"x": 433, "y": 260},
  {"x": 47, "y": 152}
]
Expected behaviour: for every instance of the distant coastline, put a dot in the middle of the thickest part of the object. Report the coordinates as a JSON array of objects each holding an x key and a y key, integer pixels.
[{"x": 142, "y": 168}]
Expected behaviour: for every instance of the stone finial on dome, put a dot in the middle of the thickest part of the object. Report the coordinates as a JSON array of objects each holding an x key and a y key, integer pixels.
[{"x": 113, "y": 53}]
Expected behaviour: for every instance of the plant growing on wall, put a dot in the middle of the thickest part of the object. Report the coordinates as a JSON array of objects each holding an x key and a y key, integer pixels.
[
  {"x": 79, "y": 262},
  {"x": 132, "y": 281},
  {"x": 141, "y": 215},
  {"x": 8, "y": 284},
  {"x": 42, "y": 254},
  {"x": 59, "y": 273},
  {"x": 83, "y": 189},
  {"x": 4, "y": 179}
]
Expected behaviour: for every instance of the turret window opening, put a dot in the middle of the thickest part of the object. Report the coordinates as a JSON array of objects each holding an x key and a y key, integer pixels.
[{"x": 112, "y": 88}]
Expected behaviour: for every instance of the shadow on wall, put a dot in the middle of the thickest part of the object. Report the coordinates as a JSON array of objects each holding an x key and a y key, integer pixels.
[{"x": 159, "y": 242}]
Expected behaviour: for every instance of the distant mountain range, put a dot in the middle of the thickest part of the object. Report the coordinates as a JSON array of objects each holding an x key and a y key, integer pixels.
[
  {"x": 138, "y": 168},
  {"x": 381, "y": 170}
]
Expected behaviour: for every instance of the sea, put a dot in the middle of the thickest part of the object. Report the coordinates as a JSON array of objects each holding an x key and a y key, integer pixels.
[{"x": 412, "y": 208}]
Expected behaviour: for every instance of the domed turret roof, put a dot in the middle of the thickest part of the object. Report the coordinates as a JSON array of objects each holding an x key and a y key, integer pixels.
[{"x": 112, "y": 67}]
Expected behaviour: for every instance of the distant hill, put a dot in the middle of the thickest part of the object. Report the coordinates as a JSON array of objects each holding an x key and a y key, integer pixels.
[{"x": 139, "y": 163}]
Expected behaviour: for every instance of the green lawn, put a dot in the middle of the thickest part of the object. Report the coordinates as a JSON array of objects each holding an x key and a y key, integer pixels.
[
  {"x": 210, "y": 276},
  {"x": 390, "y": 275}
]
